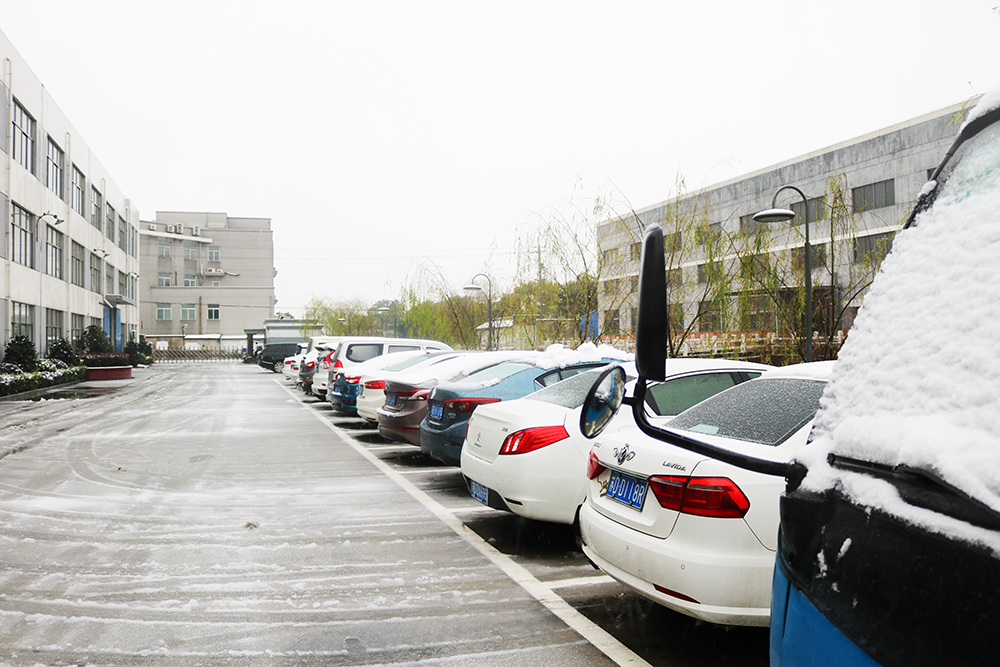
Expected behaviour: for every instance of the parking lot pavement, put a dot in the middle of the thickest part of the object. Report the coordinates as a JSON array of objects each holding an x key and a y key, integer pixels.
[{"x": 211, "y": 515}]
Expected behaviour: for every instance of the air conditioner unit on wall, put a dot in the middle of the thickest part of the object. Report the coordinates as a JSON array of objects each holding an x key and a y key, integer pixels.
[
  {"x": 196, "y": 231},
  {"x": 179, "y": 229},
  {"x": 212, "y": 271},
  {"x": 152, "y": 228},
  {"x": 171, "y": 229}
]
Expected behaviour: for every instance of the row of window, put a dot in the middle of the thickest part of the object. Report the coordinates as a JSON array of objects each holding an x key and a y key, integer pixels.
[
  {"x": 165, "y": 250},
  {"x": 22, "y": 323},
  {"x": 102, "y": 215},
  {"x": 188, "y": 311},
  {"x": 166, "y": 279},
  {"x": 23, "y": 226}
]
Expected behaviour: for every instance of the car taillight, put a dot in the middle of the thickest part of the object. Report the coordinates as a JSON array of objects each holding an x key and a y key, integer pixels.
[
  {"x": 413, "y": 393},
  {"x": 338, "y": 364},
  {"x": 703, "y": 496},
  {"x": 352, "y": 379},
  {"x": 467, "y": 404},
  {"x": 594, "y": 466},
  {"x": 375, "y": 384},
  {"x": 311, "y": 364},
  {"x": 531, "y": 439}
]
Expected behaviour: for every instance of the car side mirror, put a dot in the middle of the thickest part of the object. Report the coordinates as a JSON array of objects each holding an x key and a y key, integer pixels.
[
  {"x": 603, "y": 401},
  {"x": 651, "y": 328}
]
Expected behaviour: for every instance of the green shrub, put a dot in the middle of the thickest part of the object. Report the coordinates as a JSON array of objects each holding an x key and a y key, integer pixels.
[
  {"x": 104, "y": 360},
  {"x": 20, "y": 351},
  {"x": 139, "y": 353},
  {"x": 64, "y": 351},
  {"x": 93, "y": 340},
  {"x": 21, "y": 382}
]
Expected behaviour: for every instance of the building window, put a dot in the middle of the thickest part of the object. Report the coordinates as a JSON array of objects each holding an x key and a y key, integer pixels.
[
  {"x": 748, "y": 225},
  {"x": 709, "y": 234},
  {"x": 874, "y": 195},
  {"x": 612, "y": 323},
  {"x": 672, "y": 243},
  {"x": 22, "y": 320},
  {"x": 675, "y": 279},
  {"x": 96, "y": 207},
  {"x": 190, "y": 253},
  {"x": 122, "y": 234},
  {"x": 76, "y": 195},
  {"x": 122, "y": 283},
  {"x": 636, "y": 254},
  {"x": 709, "y": 272},
  {"x": 109, "y": 223},
  {"x": 216, "y": 283},
  {"x": 213, "y": 311},
  {"x": 53, "y": 252},
  {"x": 815, "y": 211},
  {"x": 23, "y": 138},
  {"x": 709, "y": 316},
  {"x": 95, "y": 273},
  {"x": 22, "y": 236},
  {"x": 53, "y": 327},
  {"x": 77, "y": 270},
  {"x": 189, "y": 280},
  {"x": 872, "y": 249},
  {"x": 55, "y": 159},
  {"x": 817, "y": 257},
  {"x": 109, "y": 278},
  {"x": 77, "y": 325},
  {"x": 163, "y": 311},
  {"x": 213, "y": 254},
  {"x": 163, "y": 280},
  {"x": 164, "y": 249},
  {"x": 188, "y": 311}
]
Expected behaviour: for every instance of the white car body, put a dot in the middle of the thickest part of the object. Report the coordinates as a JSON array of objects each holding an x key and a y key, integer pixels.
[
  {"x": 714, "y": 568},
  {"x": 549, "y": 483},
  {"x": 372, "y": 393},
  {"x": 352, "y": 350}
]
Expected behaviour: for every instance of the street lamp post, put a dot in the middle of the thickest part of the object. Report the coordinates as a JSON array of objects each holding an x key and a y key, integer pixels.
[
  {"x": 775, "y": 214},
  {"x": 489, "y": 305}
]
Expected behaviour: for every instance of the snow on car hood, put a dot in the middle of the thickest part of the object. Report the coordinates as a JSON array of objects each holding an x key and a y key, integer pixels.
[{"x": 918, "y": 381}]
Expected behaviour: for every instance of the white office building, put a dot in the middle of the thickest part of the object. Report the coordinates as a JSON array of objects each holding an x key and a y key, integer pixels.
[{"x": 70, "y": 246}]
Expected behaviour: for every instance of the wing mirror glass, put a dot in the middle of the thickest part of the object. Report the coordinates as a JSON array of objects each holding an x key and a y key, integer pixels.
[{"x": 603, "y": 401}]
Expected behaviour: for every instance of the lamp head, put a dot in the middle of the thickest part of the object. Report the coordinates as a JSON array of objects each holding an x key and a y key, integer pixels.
[
  {"x": 774, "y": 215},
  {"x": 473, "y": 288}
]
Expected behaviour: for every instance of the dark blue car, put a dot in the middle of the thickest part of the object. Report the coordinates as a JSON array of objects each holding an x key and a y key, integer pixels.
[{"x": 451, "y": 404}]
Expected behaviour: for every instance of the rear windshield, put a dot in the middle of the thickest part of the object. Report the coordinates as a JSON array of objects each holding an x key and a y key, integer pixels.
[
  {"x": 498, "y": 372},
  {"x": 570, "y": 393},
  {"x": 358, "y": 352},
  {"x": 764, "y": 411}
]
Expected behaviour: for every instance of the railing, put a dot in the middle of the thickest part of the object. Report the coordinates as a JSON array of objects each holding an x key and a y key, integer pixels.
[{"x": 186, "y": 356}]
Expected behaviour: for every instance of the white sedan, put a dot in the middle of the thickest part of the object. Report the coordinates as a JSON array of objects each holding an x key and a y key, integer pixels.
[
  {"x": 528, "y": 456},
  {"x": 692, "y": 533},
  {"x": 371, "y": 395}
]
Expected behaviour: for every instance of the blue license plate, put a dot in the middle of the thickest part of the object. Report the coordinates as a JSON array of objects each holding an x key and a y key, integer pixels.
[
  {"x": 390, "y": 399},
  {"x": 437, "y": 410},
  {"x": 479, "y": 492},
  {"x": 627, "y": 490}
]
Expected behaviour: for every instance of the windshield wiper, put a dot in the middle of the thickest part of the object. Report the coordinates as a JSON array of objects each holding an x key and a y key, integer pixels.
[{"x": 925, "y": 488}]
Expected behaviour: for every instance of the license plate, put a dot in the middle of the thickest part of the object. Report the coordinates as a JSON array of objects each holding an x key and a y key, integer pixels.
[
  {"x": 626, "y": 489},
  {"x": 437, "y": 409},
  {"x": 479, "y": 492},
  {"x": 390, "y": 399}
]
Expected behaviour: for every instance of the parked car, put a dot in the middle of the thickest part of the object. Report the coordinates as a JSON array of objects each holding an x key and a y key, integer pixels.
[
  {"x": 358, "y": 349},
  {"x": 406, "y": 393},
  {"x": 451, "y": 404},
  {"x": 290, "y": 366},
  {"x": 689, "y": 532},
  {"x": 343, "y": 396},
  {"x": 371, "y": 395},
  {"x": 307, "y": 365},
  {"x": 889, "y": 552},
  {"x": 273, "y": 355},
  {"x": 528, "y": 456}
]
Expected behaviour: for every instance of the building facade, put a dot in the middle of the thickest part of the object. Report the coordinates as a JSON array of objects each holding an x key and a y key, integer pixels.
[
  {"x": 69, "y": 248},
  {"x": 727, "y": 273},
  {"x": 207, "y": 280}
]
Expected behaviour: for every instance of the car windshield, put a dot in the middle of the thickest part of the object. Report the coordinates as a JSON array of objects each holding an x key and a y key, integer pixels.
[
  {"x": 765, "y": 411},
  {"x": 494, "y": 374}
]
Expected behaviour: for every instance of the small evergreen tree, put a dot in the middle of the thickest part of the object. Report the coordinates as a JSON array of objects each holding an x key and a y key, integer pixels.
[
  {"x": 95, "y": 341},
  {"x": 63, "y": 350},
  {"x": 20, "y": 351}
]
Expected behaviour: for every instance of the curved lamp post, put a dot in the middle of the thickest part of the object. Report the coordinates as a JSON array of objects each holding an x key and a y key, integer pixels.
[
  {"x": 489, "y": 304},
  {"x": 775, "y": 214}
]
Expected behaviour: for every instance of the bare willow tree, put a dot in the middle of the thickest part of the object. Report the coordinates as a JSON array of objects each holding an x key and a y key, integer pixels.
[
  {"x": 340, "y": 318},
  {"x": 431, "y": 308}
]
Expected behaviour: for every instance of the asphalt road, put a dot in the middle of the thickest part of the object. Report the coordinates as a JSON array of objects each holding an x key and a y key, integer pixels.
[{"x": 211, "y": 514}]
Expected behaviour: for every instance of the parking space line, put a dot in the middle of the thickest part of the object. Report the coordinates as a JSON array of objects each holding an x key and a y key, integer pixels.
[
  {"x": 542, "y": 591},
  {"x": 580, "y": 581}
]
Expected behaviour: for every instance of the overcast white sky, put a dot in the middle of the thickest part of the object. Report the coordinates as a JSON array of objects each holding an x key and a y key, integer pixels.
[{"x": 382, "y": 136}]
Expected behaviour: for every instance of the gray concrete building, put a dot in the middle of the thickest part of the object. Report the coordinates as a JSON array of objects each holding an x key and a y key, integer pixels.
[
  {"x": 858, "y": 193},
  {"x": 207, "y": 280},
  {"x": 69, "y": 248}
]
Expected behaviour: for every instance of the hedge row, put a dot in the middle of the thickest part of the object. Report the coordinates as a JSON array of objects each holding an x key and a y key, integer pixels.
[{"x": 17, "y": 383}]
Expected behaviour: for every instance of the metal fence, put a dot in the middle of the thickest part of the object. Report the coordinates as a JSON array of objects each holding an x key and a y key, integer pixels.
[{"x": 184, "y": 356}]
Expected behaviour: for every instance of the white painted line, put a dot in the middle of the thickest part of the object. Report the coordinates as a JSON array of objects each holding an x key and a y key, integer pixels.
[{"x": 543, "y": 592}]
